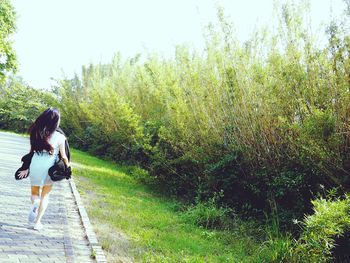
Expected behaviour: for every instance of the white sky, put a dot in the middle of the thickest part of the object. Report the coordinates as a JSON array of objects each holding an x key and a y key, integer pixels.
[{"x": 56, "y": 36}]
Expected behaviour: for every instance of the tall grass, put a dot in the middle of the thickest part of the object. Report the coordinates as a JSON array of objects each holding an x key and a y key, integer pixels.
[{"x": 267, "y": 119}]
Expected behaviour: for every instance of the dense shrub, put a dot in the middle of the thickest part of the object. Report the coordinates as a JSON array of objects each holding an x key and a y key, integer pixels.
[
  {"x": 266, "y": 120},
  {"x": 329, "y": 222}
]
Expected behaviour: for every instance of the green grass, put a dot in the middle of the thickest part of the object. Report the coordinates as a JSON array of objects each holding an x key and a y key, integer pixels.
[{"x": 131, "y": 221}]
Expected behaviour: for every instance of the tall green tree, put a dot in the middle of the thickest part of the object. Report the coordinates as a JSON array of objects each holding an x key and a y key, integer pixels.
[
  {"x": 8, "y": 60},
  {"x": 20, "y": 104}
]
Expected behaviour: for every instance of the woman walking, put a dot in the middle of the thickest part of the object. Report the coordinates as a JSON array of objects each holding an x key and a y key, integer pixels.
[{"x": 46, "y": 143}]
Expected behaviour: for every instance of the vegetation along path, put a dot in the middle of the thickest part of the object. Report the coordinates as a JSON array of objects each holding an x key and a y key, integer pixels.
[{"x": 61, "y": 240}]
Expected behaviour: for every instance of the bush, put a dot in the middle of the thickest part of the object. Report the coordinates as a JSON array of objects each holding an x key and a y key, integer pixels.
[
  {"x": 331, "y": 220},
  {"x": 260, "y": 126},
  {"x": 141, "y": 175},
  {"x": 209, "y": 215}
]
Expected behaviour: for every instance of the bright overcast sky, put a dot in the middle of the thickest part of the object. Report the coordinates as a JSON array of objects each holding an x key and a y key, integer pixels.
[{"x": 56, "y": 36}]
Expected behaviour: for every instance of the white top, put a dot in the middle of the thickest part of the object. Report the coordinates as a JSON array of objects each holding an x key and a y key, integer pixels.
[{"x": 56, "y": 140}]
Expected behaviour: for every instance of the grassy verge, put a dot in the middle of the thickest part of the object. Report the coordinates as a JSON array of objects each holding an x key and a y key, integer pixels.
[
  {"x": 12, "y": 132},
  {"x": 134, "y": 223}
]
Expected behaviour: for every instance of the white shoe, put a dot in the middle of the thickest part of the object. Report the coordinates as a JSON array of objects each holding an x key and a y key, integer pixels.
[
  {"x": 33, "y": 212},
  {"x": 38, "y": 226}
]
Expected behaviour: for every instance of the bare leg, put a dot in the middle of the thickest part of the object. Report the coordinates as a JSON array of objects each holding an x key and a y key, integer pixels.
[
  {"x": 35, "y": 193},
  {"x": 35, "y": 198},
  {"x": 44, "y": 201}
]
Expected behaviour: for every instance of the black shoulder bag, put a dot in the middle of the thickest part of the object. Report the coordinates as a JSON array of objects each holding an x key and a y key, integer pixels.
[{"x": 60, "y": 171}]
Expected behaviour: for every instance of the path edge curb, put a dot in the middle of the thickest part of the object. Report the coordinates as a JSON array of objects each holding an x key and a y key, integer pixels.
[{"x": 96, "y": 249}]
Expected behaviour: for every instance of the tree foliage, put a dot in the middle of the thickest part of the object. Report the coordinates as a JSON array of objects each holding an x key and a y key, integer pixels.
[
  {"x": 8, "y": 61},
  {"x": 20, "y": 104}
]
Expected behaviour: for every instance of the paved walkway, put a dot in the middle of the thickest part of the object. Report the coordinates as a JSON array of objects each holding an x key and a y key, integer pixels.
[{"x": 62, "y": 239}]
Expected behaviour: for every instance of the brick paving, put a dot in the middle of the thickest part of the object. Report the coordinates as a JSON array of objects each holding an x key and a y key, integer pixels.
[{"x": 63, "y": 238}]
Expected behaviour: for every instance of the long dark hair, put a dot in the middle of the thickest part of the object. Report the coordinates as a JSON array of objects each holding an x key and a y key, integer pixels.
[{"x": 41, "y": 130}]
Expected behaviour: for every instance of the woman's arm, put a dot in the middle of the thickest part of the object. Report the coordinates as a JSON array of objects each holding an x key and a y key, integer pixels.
[{"x": 63, "y": 154}]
